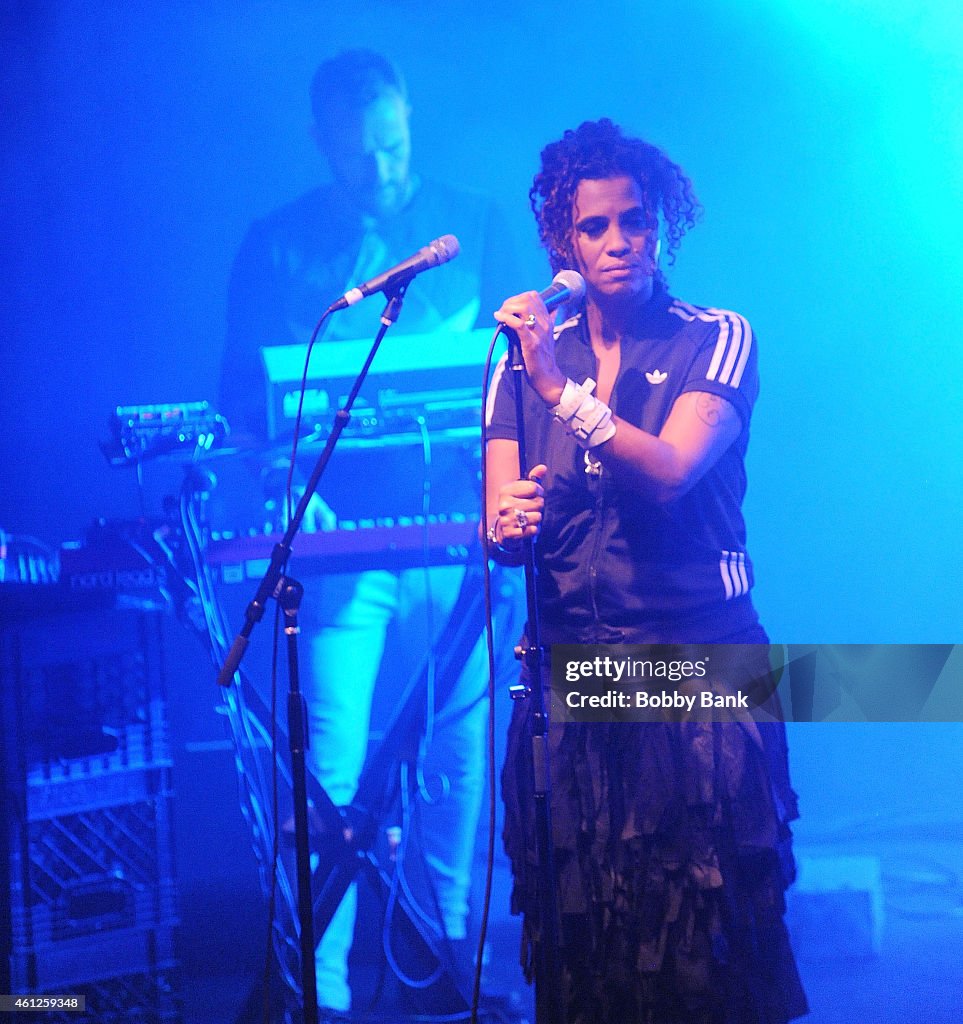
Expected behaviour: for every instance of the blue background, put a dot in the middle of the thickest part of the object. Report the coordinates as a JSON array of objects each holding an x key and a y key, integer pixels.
[{"x": 825, "y": 141}]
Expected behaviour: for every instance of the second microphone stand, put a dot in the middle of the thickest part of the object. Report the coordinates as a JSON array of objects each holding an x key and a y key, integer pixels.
[{"x": 288, "y": 594}]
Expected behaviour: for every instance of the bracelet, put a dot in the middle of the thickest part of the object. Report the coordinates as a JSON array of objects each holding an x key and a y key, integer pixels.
[
  {"x": 498, "y": 545},
  {"x": 583, "y": 416}
]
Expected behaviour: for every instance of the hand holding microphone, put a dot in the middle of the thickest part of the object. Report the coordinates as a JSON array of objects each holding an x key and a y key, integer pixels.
[{"x": 530, "y": 316}]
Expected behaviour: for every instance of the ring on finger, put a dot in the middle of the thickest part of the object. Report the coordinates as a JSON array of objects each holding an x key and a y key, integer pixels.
[
  {"x": 521, "y": 518},
  {"x": 530, "y": 321}
]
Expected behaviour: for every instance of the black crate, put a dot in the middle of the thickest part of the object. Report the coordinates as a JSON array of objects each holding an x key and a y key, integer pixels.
[
  {"x": 87, "y": 686},
  {"x": 86, "y": 850},
  {"x": 122, "y": 776},
  {"x": 128, "y": 976},
  {"x": 97, "y": 869}
]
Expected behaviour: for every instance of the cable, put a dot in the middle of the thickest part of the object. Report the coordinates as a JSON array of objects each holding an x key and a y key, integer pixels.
[
  {"x": 247, "y": 733},
  {"x": 398, "y": 881},
  {"x": 490, "y": 646},
  {"x": 431, "y": 665},
  {"x": 289, "y": 487}
]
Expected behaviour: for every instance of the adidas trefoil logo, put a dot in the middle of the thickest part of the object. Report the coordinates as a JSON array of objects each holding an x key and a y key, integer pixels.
[{"x": 656, "y": 376}]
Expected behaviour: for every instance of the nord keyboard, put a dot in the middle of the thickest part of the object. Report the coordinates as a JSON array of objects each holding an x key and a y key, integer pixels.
[{"x": 395, "y": 544}]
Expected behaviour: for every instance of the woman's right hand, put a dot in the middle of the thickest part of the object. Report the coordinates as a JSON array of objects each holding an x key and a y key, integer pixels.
[
  {"x": 521, "y": 504},
  {"x": 527, "y": 316}
]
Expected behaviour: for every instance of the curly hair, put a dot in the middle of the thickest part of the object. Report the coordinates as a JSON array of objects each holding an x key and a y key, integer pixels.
[{"x": 597, "y": 150}]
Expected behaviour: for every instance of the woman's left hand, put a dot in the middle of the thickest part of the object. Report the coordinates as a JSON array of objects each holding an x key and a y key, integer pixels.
[
  {"x": 521, "y": 506},
  {"x": 527, "y": 316}
]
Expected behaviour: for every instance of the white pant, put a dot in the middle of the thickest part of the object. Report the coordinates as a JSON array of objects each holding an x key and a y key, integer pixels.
[{"x": 346, "y": 620}]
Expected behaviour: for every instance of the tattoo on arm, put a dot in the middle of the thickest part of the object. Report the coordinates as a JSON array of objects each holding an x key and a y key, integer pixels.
[{"x": 709, "y": 409}]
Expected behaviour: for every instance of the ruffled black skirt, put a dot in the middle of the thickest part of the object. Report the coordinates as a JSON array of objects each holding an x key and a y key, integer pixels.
[{"x": 672, "y": 850}]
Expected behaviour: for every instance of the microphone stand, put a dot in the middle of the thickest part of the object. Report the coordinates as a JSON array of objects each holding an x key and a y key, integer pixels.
[
  {"x": 287, "y": 592},
  {"x": 549, "y": 1001}
]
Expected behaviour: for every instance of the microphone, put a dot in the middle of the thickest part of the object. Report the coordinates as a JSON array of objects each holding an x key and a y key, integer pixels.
[
  {"x": 566, "y": 286},
  {"x": 441, "y": 250}
]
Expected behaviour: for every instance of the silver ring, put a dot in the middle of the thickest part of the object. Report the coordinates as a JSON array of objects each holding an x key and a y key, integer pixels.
[
  {"x": 530, "y": 321},
  {"x": 521, "y": 518}
]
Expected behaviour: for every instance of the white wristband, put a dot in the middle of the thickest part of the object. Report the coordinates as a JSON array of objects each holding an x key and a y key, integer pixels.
[
  {"x": 584, "y": 416},
  {"x": 572, "y": 397}
]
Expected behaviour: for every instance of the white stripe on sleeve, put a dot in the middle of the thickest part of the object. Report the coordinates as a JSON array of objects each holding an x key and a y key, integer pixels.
[
  {"x": 493, "y": 388},
  {"x": 731, "y": 353}
]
